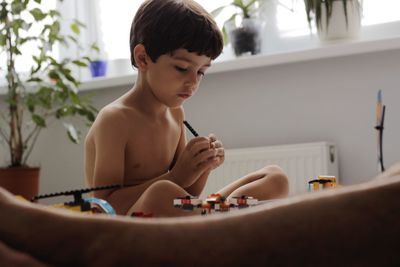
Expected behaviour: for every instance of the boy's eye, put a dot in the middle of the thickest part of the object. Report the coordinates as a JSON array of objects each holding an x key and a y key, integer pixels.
[
  {"x": 184, "y": 70},
  {"x": 180, "y": 69}
]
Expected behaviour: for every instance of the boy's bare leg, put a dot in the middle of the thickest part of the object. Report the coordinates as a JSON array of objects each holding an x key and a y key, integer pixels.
[
  {"x": 353, "y": 225},
  {"x": 158, "y": 200},
  {"x": 266, "y": 183}
]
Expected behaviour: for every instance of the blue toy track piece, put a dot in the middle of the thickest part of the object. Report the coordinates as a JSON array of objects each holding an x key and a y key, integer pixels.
[{"x": 102, "y": 204}]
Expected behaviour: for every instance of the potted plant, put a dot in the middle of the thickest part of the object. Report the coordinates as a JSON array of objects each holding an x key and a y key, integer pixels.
[
  {"x": 335, "y": 19},
  {"x": 242, "y": 28},
  {"x": 46, "y": 93},
  {"x": 98, "y": 66}
]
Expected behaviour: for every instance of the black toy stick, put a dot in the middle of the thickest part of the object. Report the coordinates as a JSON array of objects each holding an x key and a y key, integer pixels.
[{"x": 190, "y": 128}]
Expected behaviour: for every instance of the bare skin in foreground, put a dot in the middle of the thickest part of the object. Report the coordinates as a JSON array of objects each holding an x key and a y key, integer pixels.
[{"x": 354, "y": 226}]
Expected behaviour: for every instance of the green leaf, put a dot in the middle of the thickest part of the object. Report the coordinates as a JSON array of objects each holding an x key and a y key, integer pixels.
[
  {"x": 37, "y": 14},
  {"x": 34, "y": 79},
  {"x": 16, "y": 51},
  {"x": 238, "y": 3},
  {"x": 60, "y": 84},
  {"x": 3, "y": 12},
  {"x": 54, "y": 30},
  {"x": 3, "y": 39},
  {"x": 72, "y": 132},
  {"x": 39, "y": 120},
  {"x": 217, "y": 11},
  {"x": 73, "y": 39},
  {"x": 17, "y": 25},
  {"x": 79, "y": 63},
  {"x": 38, "y": 61},
  {"x": 54, "y": 75},
  {"x": 95, "y": 47},
  {"x": 31, "y": 103},
  {"x": 75, "y": 98},
  {"x": 54, "y": 13},
  {"x": 75, "y": 28},
  {"x": 65, "y": 111},
  {"x": 45, "y": 91},
  {"x": 90, "y": 116},
  {"x": 16, "y": 7},
  {"x": 226, "y": 37}
]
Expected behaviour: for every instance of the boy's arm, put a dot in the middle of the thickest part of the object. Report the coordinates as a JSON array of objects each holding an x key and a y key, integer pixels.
[
  {"x": 197, "y": 187},
  {"x": 108, "y": 162}
]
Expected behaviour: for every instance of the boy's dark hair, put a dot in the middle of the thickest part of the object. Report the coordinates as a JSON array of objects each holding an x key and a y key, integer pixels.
[{"x": 163, "y": 26}]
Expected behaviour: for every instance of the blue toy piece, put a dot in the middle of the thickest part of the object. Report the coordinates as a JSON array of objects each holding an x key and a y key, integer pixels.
[{"x": 104, "y": 205}]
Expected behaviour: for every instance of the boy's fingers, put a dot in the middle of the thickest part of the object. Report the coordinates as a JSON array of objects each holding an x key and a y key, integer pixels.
[
  {"x": 196, "y": 140},
  {"x": 217, "y": 144},
  {"x": 199, "y": 147},
  {"x": 206, "y": 155},
  {"x": 220, "y": 152},
  {"x": 212, "y": 137}
]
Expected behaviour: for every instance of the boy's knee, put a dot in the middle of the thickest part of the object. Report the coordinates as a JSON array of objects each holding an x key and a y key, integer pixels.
[
  {"x": 278, "y": 178},
  {"x": 159, "y": 196},
  {"x": 273, "y": 169},
  {"x": 163, "y": 187}
]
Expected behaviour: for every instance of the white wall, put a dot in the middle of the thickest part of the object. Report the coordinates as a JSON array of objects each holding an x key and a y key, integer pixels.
[{"x": 322, "y": 100}]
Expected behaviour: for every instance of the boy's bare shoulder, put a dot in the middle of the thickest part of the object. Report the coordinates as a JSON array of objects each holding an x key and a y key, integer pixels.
[
  {"x": 114, "y": 117},
  {"x": 116, "y": 112}
]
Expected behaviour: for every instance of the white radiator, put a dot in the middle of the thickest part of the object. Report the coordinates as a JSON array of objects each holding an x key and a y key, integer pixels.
[{"x": 301, "y": 162}]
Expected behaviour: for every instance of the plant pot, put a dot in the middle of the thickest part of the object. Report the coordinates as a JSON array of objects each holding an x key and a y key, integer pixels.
[
  {"x": 21, "y": 181},
  {"x": 98, "y": 68},
  {"x": 337, "y": 27},
  {"x": 245, "y": 37}
]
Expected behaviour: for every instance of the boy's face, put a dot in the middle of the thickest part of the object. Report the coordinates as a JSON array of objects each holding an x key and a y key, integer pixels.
[{"x": 175, "y": 77}]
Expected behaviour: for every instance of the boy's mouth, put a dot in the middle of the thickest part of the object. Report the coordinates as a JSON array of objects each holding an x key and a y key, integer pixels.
[{"x": 184, "y": 95}]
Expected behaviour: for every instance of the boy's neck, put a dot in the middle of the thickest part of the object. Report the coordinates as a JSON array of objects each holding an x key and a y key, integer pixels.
[{"x": 142, "y": 98}]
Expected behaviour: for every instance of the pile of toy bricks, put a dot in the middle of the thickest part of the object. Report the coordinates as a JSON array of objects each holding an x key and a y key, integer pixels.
[
  {"x": 214, "y": 203},
  {"x": 322, "y": 182}
]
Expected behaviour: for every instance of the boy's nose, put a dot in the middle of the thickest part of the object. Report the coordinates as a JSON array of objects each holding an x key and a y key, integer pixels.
[{"x": 193, "y": 79}]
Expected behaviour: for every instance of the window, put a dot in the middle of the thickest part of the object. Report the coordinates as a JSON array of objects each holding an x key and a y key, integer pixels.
[
  {"x": 25, "y": 60},
  {"x": 379, "y": 12},
  {"x": 292, "y": 19}
]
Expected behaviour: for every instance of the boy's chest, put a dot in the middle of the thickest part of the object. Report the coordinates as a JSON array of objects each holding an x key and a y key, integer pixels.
[{"x": 150, "y": 152}]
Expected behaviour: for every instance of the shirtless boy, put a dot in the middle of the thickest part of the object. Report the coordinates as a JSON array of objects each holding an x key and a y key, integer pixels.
[{"x": 140, "y": 137}]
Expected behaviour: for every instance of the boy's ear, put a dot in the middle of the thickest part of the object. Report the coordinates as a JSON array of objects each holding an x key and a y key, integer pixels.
[{"x": 140, "y": 55}]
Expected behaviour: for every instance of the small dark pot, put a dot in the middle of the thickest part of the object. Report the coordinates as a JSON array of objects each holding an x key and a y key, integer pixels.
[{"x": 246, "y": 38}]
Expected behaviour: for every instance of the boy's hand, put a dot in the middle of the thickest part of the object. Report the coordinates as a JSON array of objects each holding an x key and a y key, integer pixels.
[
  {"x": 200, "y": 154},
  {"x": 220, "y": 155}
]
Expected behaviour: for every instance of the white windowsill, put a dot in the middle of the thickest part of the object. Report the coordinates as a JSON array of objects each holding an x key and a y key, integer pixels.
[{"x": 248, "y": 62}]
